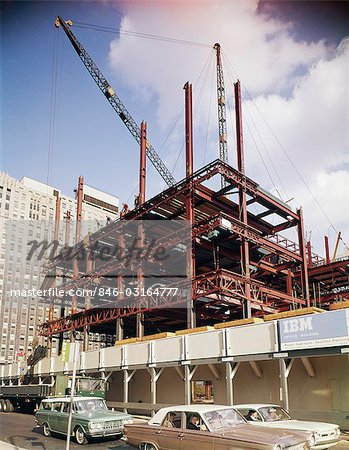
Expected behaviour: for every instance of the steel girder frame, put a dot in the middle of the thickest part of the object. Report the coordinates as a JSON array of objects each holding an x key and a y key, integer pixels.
[{"x": 260, "y": 295}]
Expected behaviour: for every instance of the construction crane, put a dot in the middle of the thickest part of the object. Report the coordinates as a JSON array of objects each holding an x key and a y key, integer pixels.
[
  {"x": 222, "y": 114},
  {"x": 115, "y": 101}
]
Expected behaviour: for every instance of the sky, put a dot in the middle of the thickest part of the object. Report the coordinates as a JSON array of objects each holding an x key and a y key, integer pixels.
[{"x": 291, "y": 57}]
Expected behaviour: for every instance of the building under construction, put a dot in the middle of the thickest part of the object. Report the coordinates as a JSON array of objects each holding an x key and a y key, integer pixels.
[{"x": 240, "y": 265}]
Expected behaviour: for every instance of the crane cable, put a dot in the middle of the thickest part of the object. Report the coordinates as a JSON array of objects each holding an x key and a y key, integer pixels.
[
  {"x": 255, "y": 142},
  {"x": 289, "y": 158},
  {"x": 209, "y": 112},
  {"x": 205, "y": 67},
  {"x": 196, "y": 106},
  {"x": 138, "y": 34},
  {"x": 52, "y": 114}
]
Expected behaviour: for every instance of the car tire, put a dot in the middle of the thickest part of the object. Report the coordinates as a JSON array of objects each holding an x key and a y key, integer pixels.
[
  {"x": 11, "y": 408},
  {"x": 1, "y": 405},
  {"x": 46, "y": 429},
  {"x": 80, "y": 436},
  {"x": 149, "y": 447},
  {"x": 7, "y": 406}
]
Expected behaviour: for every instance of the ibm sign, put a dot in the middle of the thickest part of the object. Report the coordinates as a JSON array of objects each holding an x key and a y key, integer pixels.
[{"x": 329, "y": 329}]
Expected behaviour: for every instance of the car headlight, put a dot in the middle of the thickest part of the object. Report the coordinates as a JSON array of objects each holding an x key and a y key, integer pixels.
[
  {"x": 95, "y": 425},
  {"x": 337, "y": 432},
  {"x": 277, "y": 447}
]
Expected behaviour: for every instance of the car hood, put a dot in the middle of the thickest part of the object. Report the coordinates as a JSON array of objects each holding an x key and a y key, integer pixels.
[
  {"x": 97, "y": 416},
  {"x": 265, "y": 436},
  {"x": 301, "y": 425}
]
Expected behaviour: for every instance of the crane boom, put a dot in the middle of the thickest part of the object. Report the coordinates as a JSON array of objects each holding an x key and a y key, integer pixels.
[
  {"x": 222, "y": 121},
  {"x": 115, "y": 101}
]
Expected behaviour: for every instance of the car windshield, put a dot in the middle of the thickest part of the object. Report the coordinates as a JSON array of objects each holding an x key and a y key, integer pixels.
[
  {"x": 222, "y": 418},
  {"x": 274, "y": 413},
  {"x": 90, "y": 405}
]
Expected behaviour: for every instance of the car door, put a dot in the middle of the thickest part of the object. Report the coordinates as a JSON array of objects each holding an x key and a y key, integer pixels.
[
  {"x": 201, "y": 439},
  {"x": 62, "y": 419},
  {"x": 54, "y": 416},
  {"x": 170, "y": 437}
]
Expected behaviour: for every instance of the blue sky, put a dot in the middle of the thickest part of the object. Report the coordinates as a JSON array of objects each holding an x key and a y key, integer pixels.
[{"x": 286, "y": 53}]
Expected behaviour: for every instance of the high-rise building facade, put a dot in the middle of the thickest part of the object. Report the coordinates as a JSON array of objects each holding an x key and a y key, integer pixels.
[{"x": 28, "y": 213}]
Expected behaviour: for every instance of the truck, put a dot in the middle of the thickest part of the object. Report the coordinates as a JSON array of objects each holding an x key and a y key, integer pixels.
[{"x": 27, "y": 397}]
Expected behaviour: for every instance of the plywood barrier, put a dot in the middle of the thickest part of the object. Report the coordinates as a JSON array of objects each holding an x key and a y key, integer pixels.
[
  {"x": 236, "y": 323},
  {"x": 127, "y": 341},
  {"x": 293, "y": 313},
  {"x": 193, "y": 330},
  {"x": 152, "y": 337},
  {"x": 339, "y": 305}
]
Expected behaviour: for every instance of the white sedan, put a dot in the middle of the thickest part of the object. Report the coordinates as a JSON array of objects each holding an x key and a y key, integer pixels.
[{"x": 324, "y": 435}]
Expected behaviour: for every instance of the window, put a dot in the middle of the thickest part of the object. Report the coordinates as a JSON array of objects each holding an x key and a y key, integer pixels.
[
  {"x": 202, "y": 391},
  {"x": 172, "y": 420},
  {"x": 57, "y": 406},
  {"x": 46, "y": 406},
  {"x": 66, "y": 407}
]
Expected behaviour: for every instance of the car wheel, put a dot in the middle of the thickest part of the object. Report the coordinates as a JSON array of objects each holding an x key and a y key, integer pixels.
[
  {"x": 1, "y": 405},
  {"x": 7, "y": 406},
  {"x": 149, "y": 447},
  {"x": 11, "y": 408},
  {"x": 80, "y": 436},
  {"x": 46, "y": 430}
]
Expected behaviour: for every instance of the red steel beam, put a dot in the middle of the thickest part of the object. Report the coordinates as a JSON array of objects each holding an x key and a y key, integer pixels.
[
  {"x": 304, "y": 265},
  {"x": 189, "y": 197},
  {"x": 142, "y": 163},
  {"x": 327, "y": 251},
  {"x": 79, "y": 197}
]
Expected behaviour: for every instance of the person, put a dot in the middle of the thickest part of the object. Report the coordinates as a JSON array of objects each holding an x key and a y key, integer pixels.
[
  {"x": 194, "y": 422},
  {"x": 273, "y": 415},
  {"x": 252, "y": 415},
  {"x": 169, "y": 420}
]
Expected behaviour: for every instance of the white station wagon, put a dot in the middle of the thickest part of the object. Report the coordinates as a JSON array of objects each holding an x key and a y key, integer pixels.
[{"x": 323, "y": 435}]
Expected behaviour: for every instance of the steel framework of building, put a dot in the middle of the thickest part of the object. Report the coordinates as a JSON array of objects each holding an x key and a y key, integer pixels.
[{"x": 241, "y": 265}]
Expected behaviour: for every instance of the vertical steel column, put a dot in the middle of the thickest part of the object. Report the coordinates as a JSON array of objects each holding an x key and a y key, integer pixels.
[
  {"x": 289, "y": 282},
  {"x": 327, "y": 251},
  {"x": 79, "y": 197},
  {"x": 66, "y": 242},
  {"x": 141, "y": 200},
  {"x": 304, "y": 266},
  {"x": 310, "y": 258},
  {"x": 54, "y": 281},
  {"x": 89, "y": 267},
  {"x": 142, "y": 163},
  {"x": 191, "y": 318},
  {"x": 121, "y": 285},
  {"x": 244, "y": 248}
]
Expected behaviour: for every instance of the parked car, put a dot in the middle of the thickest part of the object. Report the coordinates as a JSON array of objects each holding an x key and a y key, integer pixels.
[
  {"x": 323, "y": 435},
  {"x": 90, "y": 418},
  {"x": 208, "y": 427}
]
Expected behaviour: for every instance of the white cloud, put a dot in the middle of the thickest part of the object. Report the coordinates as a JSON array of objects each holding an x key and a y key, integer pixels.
[{"x": 301, "y": 89}]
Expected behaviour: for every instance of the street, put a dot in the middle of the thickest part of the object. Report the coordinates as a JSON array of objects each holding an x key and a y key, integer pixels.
[{"x": 20, "y": 431}]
